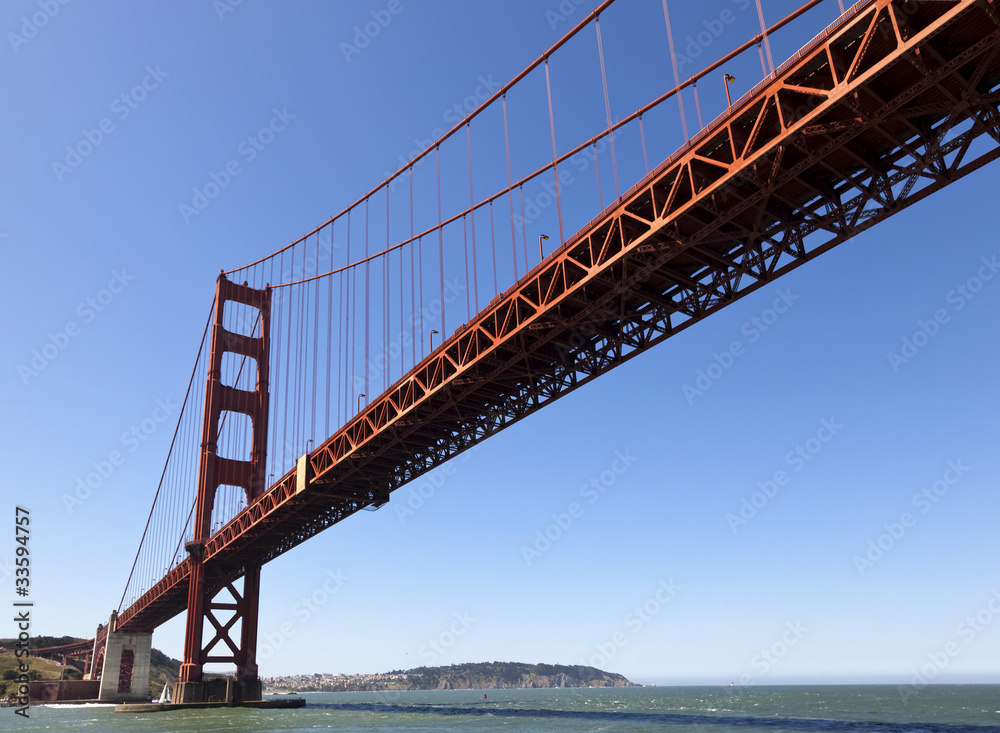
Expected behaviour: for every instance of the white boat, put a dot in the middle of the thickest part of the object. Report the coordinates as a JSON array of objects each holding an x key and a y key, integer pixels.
[{"x": 164, "y": 694}]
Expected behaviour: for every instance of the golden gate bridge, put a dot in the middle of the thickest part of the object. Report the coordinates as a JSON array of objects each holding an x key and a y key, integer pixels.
[{"x": 327, "y": 375}]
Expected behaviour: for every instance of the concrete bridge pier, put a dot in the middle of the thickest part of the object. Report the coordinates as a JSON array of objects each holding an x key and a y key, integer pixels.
[{"x": 127, "y": 657}]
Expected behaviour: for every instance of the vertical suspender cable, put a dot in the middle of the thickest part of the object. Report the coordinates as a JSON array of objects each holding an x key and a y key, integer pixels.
[
  {"x": 367, "y": 307},
  {"x": 465, "y": 249},
  {"x": 420, "y": 298},
  {"x": 642, "y": 136},
  {"x": 402, "y": 326},
  {"x": 510, "y": 193},
  {"x": 291, "y": 374},
  {"x": 597, "y": 173},
  {"x": 273, "y": 360},
  {"x": 607, "y": 107},
  {"x": 300, "y": 360},
  {"x": 555, "y": 155},
  {"x": 697, "y": 104},
  {"x": 313, "y": 397},
  {"x": 350, "y": 328},
  {"x": 472, "y": 220},
  {"x": 493, "y": 250},
  {"x": 341, "y": 346},
  {"x": 284, "y": 397},
  {"x": 338, "y": 391},
  {"x": 328, "y": 390},
  {"x": 767, "y": 43},
  {"x": 385, "y": 319},
  {"x": 440, "y": 244},
  {"x": 524, "y": 230},
  {"x": 413, "y": 290},
  {"x": 677, "y": 79}
]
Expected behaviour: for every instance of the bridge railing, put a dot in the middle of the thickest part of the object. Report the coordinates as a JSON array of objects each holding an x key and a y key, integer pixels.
[{"x": 364, "y": 298}]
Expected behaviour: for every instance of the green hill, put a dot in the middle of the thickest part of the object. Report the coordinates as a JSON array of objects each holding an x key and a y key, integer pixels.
[
  {"x": 501, "y": 675},
  {"x": 162, "y": 667},
  {"x": 481, "y": 676}
]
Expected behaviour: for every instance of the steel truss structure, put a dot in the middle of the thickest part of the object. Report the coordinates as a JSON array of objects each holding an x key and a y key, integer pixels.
[{"x": 890, "y": 104}]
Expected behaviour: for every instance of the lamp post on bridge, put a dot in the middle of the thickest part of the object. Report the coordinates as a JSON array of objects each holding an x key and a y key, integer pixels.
[
  {"x": 432, "y": 338},
  {"x": 359, "y": 400},
  {"x": 541, "y": 255},
  {"x": 729, "y": 78}
]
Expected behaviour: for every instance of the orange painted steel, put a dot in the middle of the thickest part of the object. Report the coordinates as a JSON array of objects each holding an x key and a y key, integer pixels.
[
  {"x": 208, "y": 576},
  {"x": 81, "y": 650},
  {"x": 891, "y": 96}
]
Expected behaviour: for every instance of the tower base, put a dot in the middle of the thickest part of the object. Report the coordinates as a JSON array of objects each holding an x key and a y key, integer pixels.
[{"x": 218, "y": 689}]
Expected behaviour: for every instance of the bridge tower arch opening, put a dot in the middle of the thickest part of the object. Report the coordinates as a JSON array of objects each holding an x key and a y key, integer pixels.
[{"x": 223, "y": 598}]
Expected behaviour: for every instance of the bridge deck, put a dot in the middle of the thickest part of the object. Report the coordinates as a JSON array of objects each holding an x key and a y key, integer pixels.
[{"x": 888, "y": 105}]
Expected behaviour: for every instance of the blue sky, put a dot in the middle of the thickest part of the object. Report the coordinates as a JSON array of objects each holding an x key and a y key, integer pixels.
[{"x": 657, "y": 575}]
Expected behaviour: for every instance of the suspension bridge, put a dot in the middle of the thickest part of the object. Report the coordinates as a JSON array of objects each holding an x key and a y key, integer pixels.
[{"x": 419, "y": 321}]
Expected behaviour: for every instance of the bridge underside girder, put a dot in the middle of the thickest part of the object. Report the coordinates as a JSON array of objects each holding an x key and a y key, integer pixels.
[{"x": 889, "y": 105}]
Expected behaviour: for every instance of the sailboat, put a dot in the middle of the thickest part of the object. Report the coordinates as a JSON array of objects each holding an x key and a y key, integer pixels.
[{"x": 164, "y": 694}]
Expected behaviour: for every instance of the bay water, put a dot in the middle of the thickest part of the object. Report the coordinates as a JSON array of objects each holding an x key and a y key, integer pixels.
[{"x": 847, "y": 708}]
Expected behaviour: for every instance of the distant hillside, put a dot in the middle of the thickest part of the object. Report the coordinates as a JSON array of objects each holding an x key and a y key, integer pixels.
[
  {"x": 482, "y": 676},
  {"x": 41, "y": 669},
  {"x": 162, "y": 668},
  {"x": 504, "y": 675}
]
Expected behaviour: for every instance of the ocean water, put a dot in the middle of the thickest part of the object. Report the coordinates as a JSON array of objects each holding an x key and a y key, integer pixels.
[{"x": 852, "y": 709}]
